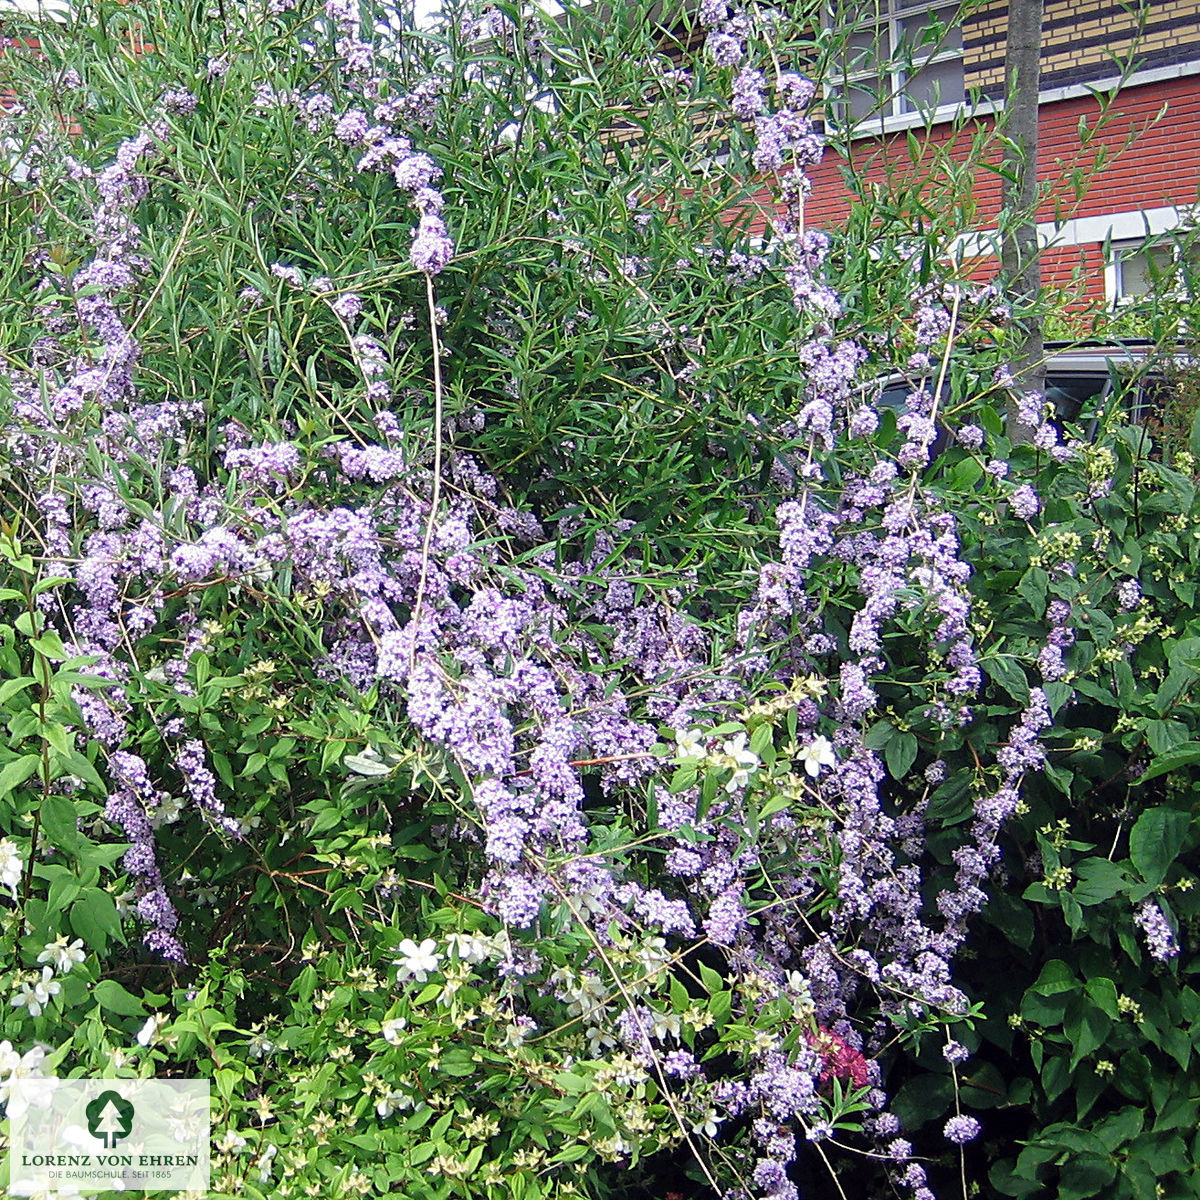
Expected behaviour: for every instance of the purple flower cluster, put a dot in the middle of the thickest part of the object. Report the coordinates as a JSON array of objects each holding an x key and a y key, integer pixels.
[
  {"x": 1129, "y": 595},
  {"x": 1061, "y": 637},
  {"x": 1024, "y": 501},
  {"x": 271, "y": 465},
  {"x": 961, "y": 1130},
  {"x": 1160, "y": 937},
  {"x": 131, "y": 794},
  {"x": 358, "y": 57}
]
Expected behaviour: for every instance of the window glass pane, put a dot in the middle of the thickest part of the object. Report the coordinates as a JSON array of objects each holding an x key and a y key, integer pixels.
[
  {"x": 934, "y": 84},
  {"x": 1133, "y": 273},
  {"x": 866, "y": 48},
  {"x": 1070, "y": 394},
  {"x": 860, "y": 100},
  {"x": 920, "y": 36},
  {"x": 866, "y": 41},
  {"x": 895, "y": 50},
  {"x": 894, "y": 396},
  {"x": 1139, "y": 269}
]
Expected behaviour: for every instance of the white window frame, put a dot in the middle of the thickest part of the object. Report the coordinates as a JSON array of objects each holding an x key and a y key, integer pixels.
[
  {"x": 888, "y": 19},
  {"x": 1119, "y": 253},
  {"x": 56, "y": 10}
]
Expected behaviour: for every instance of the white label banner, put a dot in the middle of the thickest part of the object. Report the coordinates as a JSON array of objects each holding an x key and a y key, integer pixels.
[{"x": 133, "y": 1135}]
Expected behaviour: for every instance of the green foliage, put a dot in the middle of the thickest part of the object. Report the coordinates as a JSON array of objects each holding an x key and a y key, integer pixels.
[
  {"x": 1084, "y": 1057},
  {"x": 594, "y": 362}
]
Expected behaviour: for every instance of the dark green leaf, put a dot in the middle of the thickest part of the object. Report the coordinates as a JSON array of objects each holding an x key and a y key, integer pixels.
[
  {"x": 109, "y": 994},
  {"x": 58, "y": 822},
  {"x": 901, "y": 753},
  {"x": 1181, "y": 756},
  {"x": 94, "y": 918},
  {"x": 1098, "y": 880},
  {"x": 18, "y": 771},
  {"x": 1156, "y": 840}
]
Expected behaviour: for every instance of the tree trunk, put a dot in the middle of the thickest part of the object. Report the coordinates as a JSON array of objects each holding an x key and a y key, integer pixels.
[{"x": 1018, "y": 225}]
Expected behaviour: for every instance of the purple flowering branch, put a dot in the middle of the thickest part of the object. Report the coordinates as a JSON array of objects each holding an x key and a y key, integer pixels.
[
  {"x": 633, "y": 1009},
  {"x": 437, "y": 460}
]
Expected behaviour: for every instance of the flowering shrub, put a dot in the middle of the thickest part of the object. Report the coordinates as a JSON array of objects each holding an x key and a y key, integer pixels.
[
  {"x": 1085, "y": 1056},
  {"x": 473, "y": 701}
]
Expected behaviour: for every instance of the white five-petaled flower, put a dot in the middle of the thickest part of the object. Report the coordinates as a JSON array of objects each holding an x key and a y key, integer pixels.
[
  {"x": 391, "y": 1101},
  {"x": 260, "y": 1045},
  {"x": 689, "y": 743},
  {"x": 390, "y": 1029},
  {"x": 61, "y": 955},
  {"x": 665, "y": 1025},
  {"x": 34, "y": 996},
  {"x": 798, "y": 984},
  {"x": 148, "y": 1034},
  {"x": 15, "y": 1067},
  {"x": 10, "y": 866},
  {"x": 817, "y": 754},
  {"x": 231, "y": 1142},
  {"x": 10, "y": 1060},
  {"x": 415, "y": 960},
  {"x": 707, "y": 1124},
  {"x": 739, "y": 760},
  {"x": 468, "y": 947},
  {"x": 264, "y": 1160}
]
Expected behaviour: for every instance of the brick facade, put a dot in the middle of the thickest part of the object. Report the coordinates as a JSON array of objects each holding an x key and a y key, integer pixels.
[
  {"x": 1144, "y": 158},
  {"x": 1080, "y": 38}
]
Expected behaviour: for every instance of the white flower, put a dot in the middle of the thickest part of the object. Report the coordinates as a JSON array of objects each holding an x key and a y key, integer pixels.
[
  {"x": 468, "y": 947},
  {"x": 260, "y": 1045},
  {"x": 589, "y": 903},
  {"x": 263, "y": 1163},
  {"x": 415, "y": 960},
  {"x": 148, "y": 1034},
  {"x": 36, "y": 995},
  {"x": 231, "y": 1142},
  {"x": 587, "y": 999},
  {"x": 28, "y": 997},
  {"x": 9, "y": 1058},
  {"x": 817, "y": 754},
  {"x": 166, "y": 812},
  {"x": 798, "y": 984},
  {"x": 707, "y": 1124},
  {"x": 515, "y": 1032},
  {"x": 391, "y": 1029},
  {"x": 665, "y": 1025},
  {"x": 689, "y": 743},
  {"x": 652, "y": 952},
  {"x": 61, "y": 956},
  {"x": 11, "y": 866},
  {"x": 15, "y": 1067},
  {"x": 739, "y": 760},
  {"x": 599, "y": 1041},
  {"x": 392, "y": 1101},
  {"x": 626, "y": 1072}
]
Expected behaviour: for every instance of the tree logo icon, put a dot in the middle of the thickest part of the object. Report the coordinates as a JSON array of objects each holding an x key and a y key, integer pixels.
[{"x": 110, "y": 1118}]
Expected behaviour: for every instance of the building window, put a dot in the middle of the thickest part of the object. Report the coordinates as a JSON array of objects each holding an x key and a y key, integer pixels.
[
  {"x": 1138, "y": 269},
  {"x": 896, "y": 59},
  {"x": 58, "y": 10}
]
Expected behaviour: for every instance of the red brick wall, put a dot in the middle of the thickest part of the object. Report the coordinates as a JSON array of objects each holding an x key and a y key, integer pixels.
[{"x": 1145, "y": 160}]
